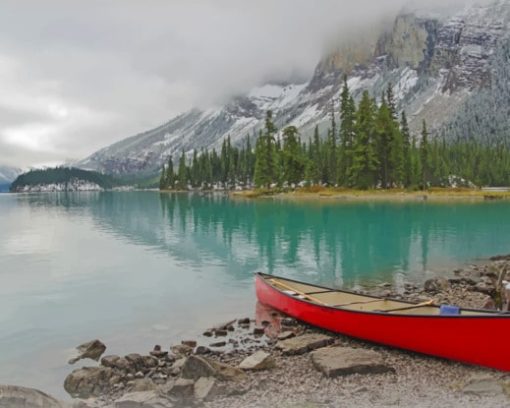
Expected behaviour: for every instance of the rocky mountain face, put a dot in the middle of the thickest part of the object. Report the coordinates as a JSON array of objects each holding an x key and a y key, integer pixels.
[
  {"x": 8, "y": 174},
  {"x": 437, "y": 65}
]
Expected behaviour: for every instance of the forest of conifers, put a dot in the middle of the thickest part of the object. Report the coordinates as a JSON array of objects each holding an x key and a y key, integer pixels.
[{"x": 371, "y": 147}]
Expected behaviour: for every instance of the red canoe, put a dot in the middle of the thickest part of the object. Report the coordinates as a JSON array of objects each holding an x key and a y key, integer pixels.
[{"x": 470, "y": 336}]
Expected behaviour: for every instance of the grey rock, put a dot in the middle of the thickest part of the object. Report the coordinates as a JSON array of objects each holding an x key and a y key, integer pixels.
[
  {"x": 110, "y": 361},
  {"x": 200, "y": 350},
  {"x": 304, "y": 343},
  {"x": 183, "y": 388},
  {"x": 337, "y": 361},
  {"x": 142, "y": 384},
  {"x": 136, "y": 361},
  {"x": 196, "y": 367},
  {"x": 435, "y": 285},
  {"x": 182, "y": 350},
  {"x": 93, "y": 349},
  {"x": 260, "y": 360},
  {"x": 21, "y": 397},
  {"x": 218, "y": 344},
  {"x": 205, "y": 388},
  {"x": 88, "y": 382},
  {"x": 143, "y": 399}
]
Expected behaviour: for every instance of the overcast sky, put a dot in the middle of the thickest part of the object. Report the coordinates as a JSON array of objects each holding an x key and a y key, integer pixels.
[{"x": 76, "y": 76}]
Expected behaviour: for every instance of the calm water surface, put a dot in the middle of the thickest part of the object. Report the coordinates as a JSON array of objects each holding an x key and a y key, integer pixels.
[{"x": 136, "y": 269}]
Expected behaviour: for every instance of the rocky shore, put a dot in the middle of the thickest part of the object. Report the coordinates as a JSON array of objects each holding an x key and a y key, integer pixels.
[{"x": 275, "y": 361}]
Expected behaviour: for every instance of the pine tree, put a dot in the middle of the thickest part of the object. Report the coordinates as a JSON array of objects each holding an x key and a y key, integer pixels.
[
  {"x": 162, "y": 179},
  {"x": 195, "y": 171},
  {"x": 396, "y": 158},
  {"x": 406, "y": 141},
  {"x": 182, "y": 174},
  {"x": 390, "y": 101},
  {"x": 170, "y": 176},
  {"x": 384, "y": 130},
  {"x": 424, "y": 156},
  {"x": 364, "y": 164},
  {"x": 347, "y": 116},
  {"x": 265, "y": 154},
  {"x": 293, "y": 164}
]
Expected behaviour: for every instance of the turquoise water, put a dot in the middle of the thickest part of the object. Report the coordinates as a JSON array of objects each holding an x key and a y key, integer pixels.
[{"x": 139, "y": 268}]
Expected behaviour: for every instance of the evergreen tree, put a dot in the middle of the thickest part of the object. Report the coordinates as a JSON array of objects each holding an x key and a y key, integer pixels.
[
  {"x": 406, "y": 142},
  {"x": 424, "y": 156},
  {"x": 293, "y": 162},
  {"x": 365, "y": 163},
  {"x": 170, "y": 176},
  {"x": 384, "y": 130},
  {"x": 390, "y": 101},
  {"x": 182, "y": 174},
  {"x": 162, "y": 179},
  {"x": 347, "y": 116},
  {"x": 265, "y": 154}
]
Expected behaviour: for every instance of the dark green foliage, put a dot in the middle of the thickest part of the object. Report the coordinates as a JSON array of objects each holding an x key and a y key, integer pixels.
[
  {"x": 363, "y": 173},
  {"x": 60, "y": 175},
  {"x": 424, "y": 156},
  {"x": 265, "y": 155},
  {"x": 293, "y": 160},
  {"x": 375, "y": 151}
]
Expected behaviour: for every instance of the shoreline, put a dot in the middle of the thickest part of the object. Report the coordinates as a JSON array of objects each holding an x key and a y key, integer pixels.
[
  {"x": 272, "y": 360},
  {"x": 343, "y": 195}
]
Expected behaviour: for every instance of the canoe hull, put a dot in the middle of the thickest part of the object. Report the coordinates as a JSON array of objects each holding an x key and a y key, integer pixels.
[{"x": 468, "y": 339}]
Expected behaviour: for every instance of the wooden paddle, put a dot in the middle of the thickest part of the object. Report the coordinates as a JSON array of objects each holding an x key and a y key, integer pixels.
[
  {"x": 427, "y": 303},
  {"x": 283, "y": 285}
]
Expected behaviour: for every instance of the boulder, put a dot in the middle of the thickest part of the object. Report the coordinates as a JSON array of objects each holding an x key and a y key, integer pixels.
[
  {"x": 183, "y": 388},
  {"x": 337, "y": 361},
  {"x": 143, "y": 399},
  {"x": 435, "y": 285},
  {"x": 136, "y": 361},
  {"x": 12, "y": 396},
  {"x": 226, "y": 372},
  {"x": 189, "y": 343},
  {"x": 195, "y": 367},
  {"x": 88, "y": 382},
  {"x": 110, "y": 361},
  {"x": 258, "y": 361},
  {"x": 304, "y": 343},
  {"x": 119, "y": 363},
  {"x": 142, "y": 384},
  {"x": 93, "y": 349},
  {"x": 205, "y": 388},
  {"x": 182, "y": 350}
]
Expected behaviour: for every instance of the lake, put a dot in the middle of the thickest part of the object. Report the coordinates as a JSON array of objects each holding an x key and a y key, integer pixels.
[{"x": 136, "y": 269}]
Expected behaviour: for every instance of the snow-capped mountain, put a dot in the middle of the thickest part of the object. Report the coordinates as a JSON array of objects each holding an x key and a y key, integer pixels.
[
  {"x": 437, "y": 64},
  {"x": 8, "y": 174}
]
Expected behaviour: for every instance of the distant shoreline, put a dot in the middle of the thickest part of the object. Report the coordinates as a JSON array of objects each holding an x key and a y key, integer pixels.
[{"x": 330, "y": 194}]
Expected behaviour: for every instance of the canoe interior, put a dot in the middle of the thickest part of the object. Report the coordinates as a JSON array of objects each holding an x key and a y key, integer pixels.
[{"x": 353, "y": 301}]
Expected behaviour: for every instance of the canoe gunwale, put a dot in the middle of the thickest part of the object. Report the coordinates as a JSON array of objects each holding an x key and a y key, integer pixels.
[{"x": 485, "y": 314}]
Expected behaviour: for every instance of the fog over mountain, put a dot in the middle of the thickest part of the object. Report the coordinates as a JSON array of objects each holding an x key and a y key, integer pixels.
[{"x": 77, "y": 76}]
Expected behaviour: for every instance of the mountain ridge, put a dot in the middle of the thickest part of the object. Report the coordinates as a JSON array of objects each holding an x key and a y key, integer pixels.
[{"x": 435, "y": 65}]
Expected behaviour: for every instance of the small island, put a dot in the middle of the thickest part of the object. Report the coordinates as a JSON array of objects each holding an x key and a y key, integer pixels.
[{"x": 61, "y": 179}]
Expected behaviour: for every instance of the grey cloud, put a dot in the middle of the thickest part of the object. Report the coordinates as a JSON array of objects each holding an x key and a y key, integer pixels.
[{"x": 78, "y": 75}]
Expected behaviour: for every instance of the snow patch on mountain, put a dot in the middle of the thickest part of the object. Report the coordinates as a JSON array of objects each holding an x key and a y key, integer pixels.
[{"x": 434, "y": 64}]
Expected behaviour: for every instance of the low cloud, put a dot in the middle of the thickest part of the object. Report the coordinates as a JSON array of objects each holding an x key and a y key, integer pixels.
[{"x": 77, "y": 76}]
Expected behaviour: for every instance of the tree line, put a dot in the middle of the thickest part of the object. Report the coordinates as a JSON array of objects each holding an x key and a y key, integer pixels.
[
  {"x": 372, "y": 147},
  {"x": 59, "y": 175}
]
